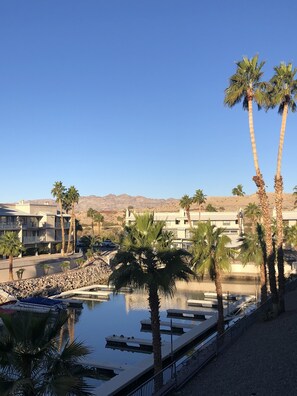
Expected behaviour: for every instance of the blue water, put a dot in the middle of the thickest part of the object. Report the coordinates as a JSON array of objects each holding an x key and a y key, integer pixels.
[{"x": 121, "y": 315}]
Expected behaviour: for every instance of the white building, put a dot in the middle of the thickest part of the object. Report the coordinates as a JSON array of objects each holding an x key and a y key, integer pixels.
[
  {"x": 37, "y": 225},
  {"x": 177, "y": 223}
]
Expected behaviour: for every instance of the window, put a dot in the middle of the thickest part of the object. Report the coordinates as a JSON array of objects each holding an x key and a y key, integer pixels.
[{"x": 177, "y": 221}]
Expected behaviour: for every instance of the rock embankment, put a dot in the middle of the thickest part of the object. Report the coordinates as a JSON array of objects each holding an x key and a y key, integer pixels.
[{"x": 50, "y": 285}]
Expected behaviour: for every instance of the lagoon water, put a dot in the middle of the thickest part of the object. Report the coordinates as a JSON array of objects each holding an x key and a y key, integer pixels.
[{"x": 121, "y": 315}]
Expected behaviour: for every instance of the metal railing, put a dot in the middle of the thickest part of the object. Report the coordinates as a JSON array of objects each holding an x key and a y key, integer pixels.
[{"x": 179, "y": 372}]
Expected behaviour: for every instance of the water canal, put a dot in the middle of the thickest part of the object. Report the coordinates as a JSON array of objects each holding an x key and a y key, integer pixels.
[{"x": 122, "y": 313}]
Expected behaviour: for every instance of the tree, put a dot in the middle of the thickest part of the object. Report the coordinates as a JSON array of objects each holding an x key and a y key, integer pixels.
[
  {"x": 91, "y": 213},
  {"x": 246, "y": 86},
  {"x": 210, "y": 208},
  {"x": 253, "y": 213},
  {"x": 58, "y": 192},
  {"x": 98, "y": 218},
  {"x": 72, "y": 197},
  {"x": 146, "y": 262},
  {"x": 89, "y": 242},
  {"x": 211, "y": 254},
  {"x": 11, "y": 246},
  {"x": 238, "y": 191},
  {"x": 185, "y": 203},
  {"x": 199, "y": 198},
  {"x": 30, "y": 362},
  {"x": 253, "y": 250},
  {"x": 283, "y": 93},
  {"x": 291, "y": 235}
]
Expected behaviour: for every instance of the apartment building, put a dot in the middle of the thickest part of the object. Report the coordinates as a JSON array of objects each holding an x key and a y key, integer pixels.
[
  {"x": 178, "y": 224},
  {"x": 232, "y": 223},
  {"x": 37, "y": 225}
]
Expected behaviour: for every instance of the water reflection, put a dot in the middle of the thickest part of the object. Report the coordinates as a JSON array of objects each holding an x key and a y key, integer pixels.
[{"x": 121, "y": 315}]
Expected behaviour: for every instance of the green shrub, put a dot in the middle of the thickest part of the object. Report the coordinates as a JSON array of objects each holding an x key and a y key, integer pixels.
[{"x": 65, "y": 266}]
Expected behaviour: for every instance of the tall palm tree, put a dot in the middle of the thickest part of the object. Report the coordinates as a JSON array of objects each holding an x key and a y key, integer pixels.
[
  {"x": 98, "y": 218},
  {"x": 146, "y": 262},
  {"x": 30, "y": 362},
  {"x": 253, "y": 213},
  {"x": 246, "y": 86},
  {"x": 199, "y": 198},
  {"x": 238, "y": 191},
  {"x": 11, "y": 246},
  {"x": 253, "y": 250},
  {"x": 91, "y": 213},
  {"x": 185, "y": 203},
  {"x": 72, "y": 197},
  {"x": 283, "y": 93},
  {"x": 211, "y": 254},
  {"x": 58, "y": 192}
]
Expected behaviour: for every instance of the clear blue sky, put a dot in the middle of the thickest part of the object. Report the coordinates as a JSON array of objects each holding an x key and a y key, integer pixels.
[{"x": 126, "y": 96}]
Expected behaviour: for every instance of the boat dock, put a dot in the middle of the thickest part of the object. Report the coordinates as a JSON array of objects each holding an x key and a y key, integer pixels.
[
  {"x": 129, "y": 343},
  {"x": 190, "y": 314},
  {"x": 226, "y": 296},
  {"x": 213, "y": 303},
  {"x": 176, "y": 328}
]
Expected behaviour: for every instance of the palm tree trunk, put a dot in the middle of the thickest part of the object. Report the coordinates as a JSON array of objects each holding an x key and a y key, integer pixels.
[
  {"x": 268, "y": 236},
  {"x": 154, "y": 304},
  {"x": 258, "y": 179},
  {"x": 62, "y": 228},
  {"x": 252, "y": 133},
  {"x": 69, "y": 237},
  {"x": 10, "y": 273},
  {"x": 263, "y": 282},
  {"x": 219, "y": 290},
  {"x": 71, "y": 228},
  {"x": 279, "y": 248},
  {"x": 278, "y": 186},
  {"x": 189, "y": 217},
  {"x": 281, "y": 140}
]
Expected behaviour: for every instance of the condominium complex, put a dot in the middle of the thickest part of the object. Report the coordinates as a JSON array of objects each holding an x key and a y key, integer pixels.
[
  {"x": 37, "y": 225},
  {"x": 233, "y": 223}
]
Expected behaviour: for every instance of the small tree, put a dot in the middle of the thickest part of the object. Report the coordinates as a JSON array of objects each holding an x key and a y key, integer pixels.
[
  {"x": 199, "y": 198},
  {"x": 211, "y": 255},
  {"x": 238, "y": 191},
  {"x": 11, "y": 246},
  {"x": 58, "y": 192},
  {"x": 185, "y": 203}
]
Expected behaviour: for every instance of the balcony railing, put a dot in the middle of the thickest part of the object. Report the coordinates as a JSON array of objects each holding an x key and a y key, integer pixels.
[
  {"x": 9, "y": 226},
  {"x": 34, "y": 239}
]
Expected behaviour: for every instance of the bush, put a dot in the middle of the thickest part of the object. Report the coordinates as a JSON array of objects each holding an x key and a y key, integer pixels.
[{"x": 65, "y": 266}]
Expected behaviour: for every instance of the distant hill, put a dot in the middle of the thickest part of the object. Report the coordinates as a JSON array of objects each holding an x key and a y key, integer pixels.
[
  {"x": 113, "y": 206},
  {"x": 117, "y": 203}
]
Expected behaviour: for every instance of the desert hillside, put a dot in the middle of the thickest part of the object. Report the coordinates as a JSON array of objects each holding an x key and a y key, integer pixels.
[{"x": 113, "y": 206}]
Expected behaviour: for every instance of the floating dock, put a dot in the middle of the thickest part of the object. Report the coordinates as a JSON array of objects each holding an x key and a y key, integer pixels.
[
  {"x": 129, "y": 343},
  {"x": 204, "y": 303},
  {"x": 85, "y": 292},
  {"x": 167, "y": 327},
  {"x": 226, "y": 296},
  {"x": 190, "y": 314}
]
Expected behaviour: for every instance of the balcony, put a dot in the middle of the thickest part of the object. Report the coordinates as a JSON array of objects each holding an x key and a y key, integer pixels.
[
  {"x": 10, "y": 226},
  {"x": 33, "y": 239}
]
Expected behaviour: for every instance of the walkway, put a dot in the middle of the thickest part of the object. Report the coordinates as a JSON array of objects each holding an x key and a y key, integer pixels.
[{"x": 262, "y": 362}]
